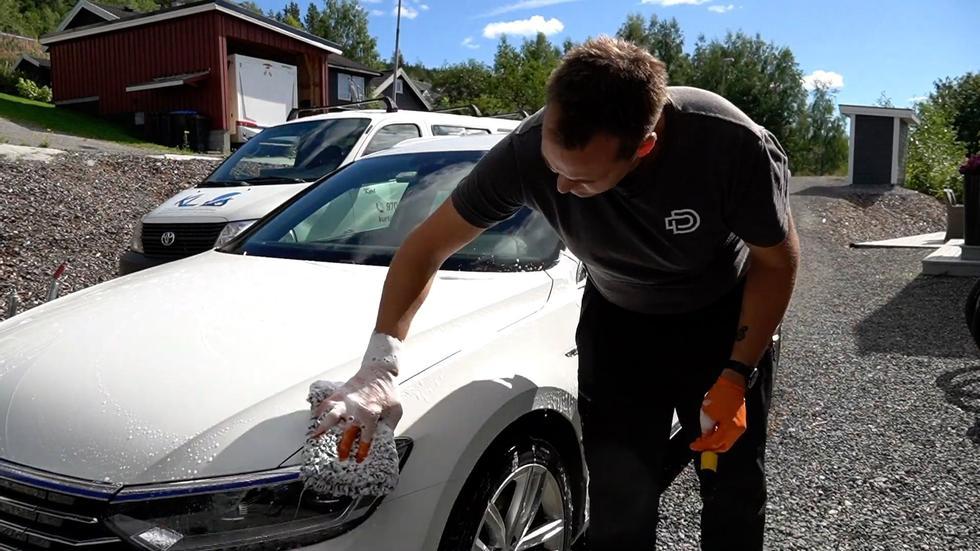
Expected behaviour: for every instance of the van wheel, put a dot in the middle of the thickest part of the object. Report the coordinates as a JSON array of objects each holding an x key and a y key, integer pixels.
[{"x": 518, "y": 498}]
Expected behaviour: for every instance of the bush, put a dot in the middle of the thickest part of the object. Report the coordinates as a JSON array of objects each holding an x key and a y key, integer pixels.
[
  {"x": 8, "y": 79},
  {"x": 934, "y": 155},
  {"x": 30, "y": 90}
]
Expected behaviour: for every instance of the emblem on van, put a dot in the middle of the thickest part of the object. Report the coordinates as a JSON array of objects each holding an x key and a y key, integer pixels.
[{"x": 168, "y": 238}]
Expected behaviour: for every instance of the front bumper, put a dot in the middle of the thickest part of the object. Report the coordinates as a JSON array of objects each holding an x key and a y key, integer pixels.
[
  {"x": 132, "y": 261},
  {"x": 406, "y": 523}
]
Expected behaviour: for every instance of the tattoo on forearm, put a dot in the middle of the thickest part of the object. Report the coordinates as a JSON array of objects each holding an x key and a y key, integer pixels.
[{"x": 740, "y": 335}]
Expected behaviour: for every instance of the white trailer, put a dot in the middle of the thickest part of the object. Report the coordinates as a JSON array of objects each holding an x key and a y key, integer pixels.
[{"x": 260, "y": 94}]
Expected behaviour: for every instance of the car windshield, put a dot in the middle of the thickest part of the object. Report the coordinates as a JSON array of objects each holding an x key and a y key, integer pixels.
[
  {"x": 361, "y": 215},
  {"x": 288, "y": 153}
]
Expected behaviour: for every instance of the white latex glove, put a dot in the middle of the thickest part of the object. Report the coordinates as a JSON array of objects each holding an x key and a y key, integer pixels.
[{"x": 369, "y": 397}]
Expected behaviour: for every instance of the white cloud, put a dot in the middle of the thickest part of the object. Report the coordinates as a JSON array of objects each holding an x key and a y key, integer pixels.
[
  {"x": 408, "y": 12},
  {"x": 917, "y": 99},
  {"x": 721, "y": 9},
  {"x": 675, "y": 2},
  {"x": 377, "y": 12},
  {"x": 524, "y": 5},
  {"x": 468, "y": 42},
  {"x": 524, "y": 27},
  {"x": 828, "y": 78},
  {"x": 424, "y": 7}
]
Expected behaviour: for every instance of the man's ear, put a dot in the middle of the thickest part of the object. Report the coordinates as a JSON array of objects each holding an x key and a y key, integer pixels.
[{"x": 646, "y": 146}]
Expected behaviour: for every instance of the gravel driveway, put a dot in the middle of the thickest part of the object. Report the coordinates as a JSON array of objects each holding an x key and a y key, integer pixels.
[
  {"x": 875, "y": 438},
  {"x": 874, "y": 434}
]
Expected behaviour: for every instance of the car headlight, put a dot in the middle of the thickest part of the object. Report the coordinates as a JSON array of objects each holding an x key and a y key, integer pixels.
[
  {"x": 136, "y": 243},
  {"x": 260, "y": 511},
  {"x": 230, "y": 231}
]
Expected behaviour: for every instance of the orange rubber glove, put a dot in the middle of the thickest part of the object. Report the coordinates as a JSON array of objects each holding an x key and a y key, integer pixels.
[{"x": 722, "y": 416}]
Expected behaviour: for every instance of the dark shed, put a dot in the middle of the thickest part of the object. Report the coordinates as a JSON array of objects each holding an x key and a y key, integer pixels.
[{"x": 878, "y": 144}]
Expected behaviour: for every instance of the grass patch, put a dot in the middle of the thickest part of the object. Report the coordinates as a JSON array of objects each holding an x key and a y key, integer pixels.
[{"x": 65, "y": 121}]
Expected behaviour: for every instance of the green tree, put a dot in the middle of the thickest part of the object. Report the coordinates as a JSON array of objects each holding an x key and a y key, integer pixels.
[
  {"x": 962, "y": 96},
  {"x": 762, "y": 79},
  {"x": 934, "y": 154},
  {"x": 819, "y": 136},
  {"x": 251, "y": 6},
  {"x": 664, "y": 39},
  {"x": 884, "y": 100},
  {"x": 521, "y": 75},
  {"x": 346, "y": 23},
  {"x": 469, "y": 82}
]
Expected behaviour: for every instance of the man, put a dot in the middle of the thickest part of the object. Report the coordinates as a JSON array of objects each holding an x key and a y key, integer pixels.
[{"x": 676, "y": 202}]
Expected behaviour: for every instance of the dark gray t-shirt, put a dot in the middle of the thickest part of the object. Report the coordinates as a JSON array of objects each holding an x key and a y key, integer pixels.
[{"x": 670, "y": 237}]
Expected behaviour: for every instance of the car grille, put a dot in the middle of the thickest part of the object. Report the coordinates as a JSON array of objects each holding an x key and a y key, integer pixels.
[
  {"x": 189, "y": 239},
  {"x": 32, "y": 519}
]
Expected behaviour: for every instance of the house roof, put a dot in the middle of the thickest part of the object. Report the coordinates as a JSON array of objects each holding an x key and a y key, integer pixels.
[
  {"x": 35, "y": 61},
  {"x": 184, "y": 10},
  {"x": 338, "y": 61},
  {"x": 118, "y": 11},
  {"x": 385, "y": 80},
  {"x": 874, "y": 111}
]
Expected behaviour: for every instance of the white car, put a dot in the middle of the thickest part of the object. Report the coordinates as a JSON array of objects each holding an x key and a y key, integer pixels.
[
  {"x": 164, "y": 410},
  {"x": 273, "y": 166}
]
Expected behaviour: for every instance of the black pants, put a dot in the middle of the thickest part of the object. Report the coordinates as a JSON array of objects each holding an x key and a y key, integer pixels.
[{"x": 634, "y": 370}]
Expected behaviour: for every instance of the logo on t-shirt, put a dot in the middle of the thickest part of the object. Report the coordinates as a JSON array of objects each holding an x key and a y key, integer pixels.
[{"x": 683, "y": 221}]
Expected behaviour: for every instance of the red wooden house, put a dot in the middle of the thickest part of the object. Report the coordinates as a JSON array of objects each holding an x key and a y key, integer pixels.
[{"x": 128, "y": 65}]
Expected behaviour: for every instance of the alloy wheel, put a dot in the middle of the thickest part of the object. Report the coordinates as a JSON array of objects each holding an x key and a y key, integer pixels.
[{"x": 526, "y": 513}]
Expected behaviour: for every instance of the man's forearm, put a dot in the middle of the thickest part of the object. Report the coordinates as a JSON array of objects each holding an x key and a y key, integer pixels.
[
  {"x": 768, "y": 288},
  {"x": 409, "y": 280}
]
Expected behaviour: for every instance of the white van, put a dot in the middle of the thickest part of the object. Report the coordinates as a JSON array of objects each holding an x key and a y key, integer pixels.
[{"x": 276, "y": 164}]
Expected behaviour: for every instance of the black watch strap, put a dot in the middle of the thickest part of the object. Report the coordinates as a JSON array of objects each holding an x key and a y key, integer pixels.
[{"x": 751, "y": 373}]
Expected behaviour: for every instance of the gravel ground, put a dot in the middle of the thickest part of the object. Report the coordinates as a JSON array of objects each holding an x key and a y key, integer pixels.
[
  {"x": 874, "y": 431},
  {"x": 81, "y": 208}
]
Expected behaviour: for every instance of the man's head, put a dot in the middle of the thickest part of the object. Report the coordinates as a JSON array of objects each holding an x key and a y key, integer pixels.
[{"x": 604, "y": 101}]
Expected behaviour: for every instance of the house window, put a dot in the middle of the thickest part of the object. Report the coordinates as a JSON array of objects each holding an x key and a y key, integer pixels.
[
  {"x": 399, "y": 87},
  {"x": 350, "y": 87}
]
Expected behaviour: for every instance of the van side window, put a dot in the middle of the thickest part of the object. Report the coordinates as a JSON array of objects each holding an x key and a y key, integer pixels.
[
  {"x": 447, "y": 130},
  {"x": 392, "y": 134}
]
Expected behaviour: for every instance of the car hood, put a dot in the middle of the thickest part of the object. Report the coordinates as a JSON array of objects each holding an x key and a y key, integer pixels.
[
  {"x": 222, "y": 204},
  {"x": 201, "y": 367}
]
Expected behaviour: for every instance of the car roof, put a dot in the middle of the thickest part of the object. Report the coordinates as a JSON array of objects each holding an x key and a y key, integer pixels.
[
  {"x": 476, "y": 142},
  {"x": 377, "y": 115}
]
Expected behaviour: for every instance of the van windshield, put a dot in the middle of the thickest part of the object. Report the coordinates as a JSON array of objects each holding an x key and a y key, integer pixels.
[{"x": 288, "y": 153}]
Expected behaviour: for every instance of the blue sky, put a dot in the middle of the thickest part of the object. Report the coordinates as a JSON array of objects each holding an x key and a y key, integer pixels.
[{"x": 866, "y": 46}]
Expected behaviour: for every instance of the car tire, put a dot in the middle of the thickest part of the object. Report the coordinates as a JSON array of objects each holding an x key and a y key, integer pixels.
[{"x": 500, "y": 474}]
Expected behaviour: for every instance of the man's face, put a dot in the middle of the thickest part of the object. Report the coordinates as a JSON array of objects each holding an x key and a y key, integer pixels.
[{"x": 589, "y": 171}]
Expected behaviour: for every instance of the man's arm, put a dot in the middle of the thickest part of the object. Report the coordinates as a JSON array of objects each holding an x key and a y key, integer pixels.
[
  {"x": 768, "y": 288},
  {"x": 416, "y": 263}
]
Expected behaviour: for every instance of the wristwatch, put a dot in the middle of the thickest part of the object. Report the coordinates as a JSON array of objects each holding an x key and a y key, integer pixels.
[{"x": 751, "y": 374}]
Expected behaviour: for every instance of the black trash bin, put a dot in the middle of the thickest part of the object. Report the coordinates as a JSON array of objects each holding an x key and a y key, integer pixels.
[
  {"x": 189, "y": 129},
  {"x": 971, "y": 207}
]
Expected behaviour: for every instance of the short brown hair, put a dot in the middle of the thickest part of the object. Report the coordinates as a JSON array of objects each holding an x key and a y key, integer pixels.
[{"x": 607, "y": 85}]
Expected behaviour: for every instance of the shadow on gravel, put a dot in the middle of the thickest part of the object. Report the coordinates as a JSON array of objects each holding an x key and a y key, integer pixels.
[
  {"x": 955, "y": 385},
  {"x": 924, "y": 319}
]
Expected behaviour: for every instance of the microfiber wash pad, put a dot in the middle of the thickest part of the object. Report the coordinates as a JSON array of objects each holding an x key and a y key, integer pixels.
[{"x": 324, "y": 472}]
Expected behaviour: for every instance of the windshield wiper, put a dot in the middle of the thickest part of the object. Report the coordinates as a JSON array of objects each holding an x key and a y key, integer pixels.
[
  {"x": 274, "y": 180},
  {"x": 222, "y": 183}
]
